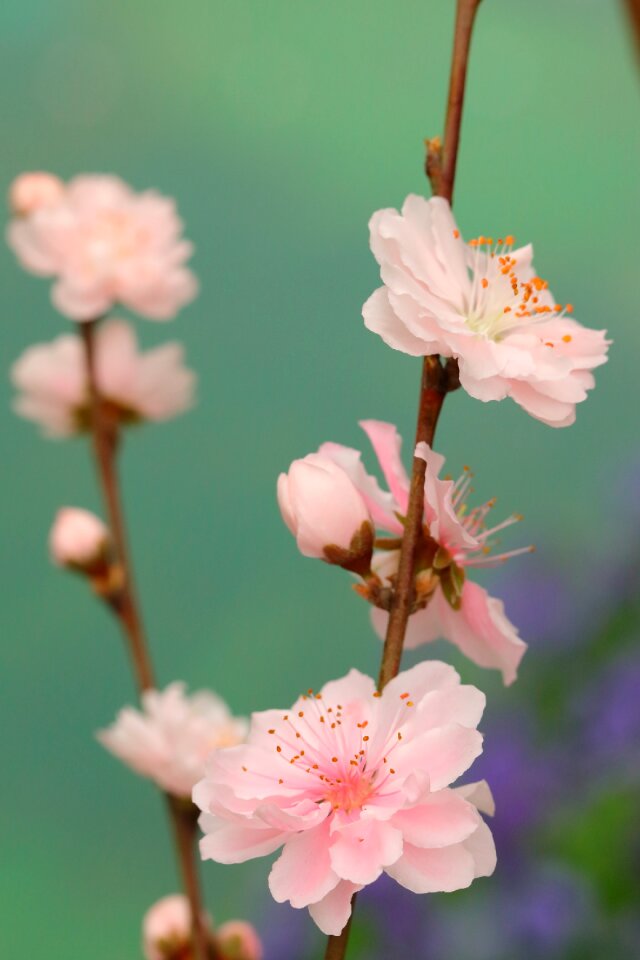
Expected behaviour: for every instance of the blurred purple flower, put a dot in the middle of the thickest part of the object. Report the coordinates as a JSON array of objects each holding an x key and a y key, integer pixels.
[
  {"x": 552, "y": 909},
  {"x": 541, "y": 603},
  {"x": 524, "y": 781},
  {"x": 288, "y": 934},
  {"x": 608, "y": 717},
  {"x": 401, "y": 922}
]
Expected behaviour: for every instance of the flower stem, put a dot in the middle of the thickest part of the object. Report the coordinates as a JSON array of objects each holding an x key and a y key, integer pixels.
[
  {"x": 104, "y": 432},
  {"x": 633, "y": 7},
  {"x": 436, "y": 381}
]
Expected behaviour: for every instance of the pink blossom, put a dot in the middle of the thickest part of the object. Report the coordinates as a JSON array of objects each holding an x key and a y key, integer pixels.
[
  {"x": 105, "y": 244},
  {"x": 52, "y": 382},
  {"x": 238, "y": 940},
  {"x": 170, "y": 737},
  {"x": 78, "y": 538},
  {"x": 456, "y": 541},
  {"x": 166, "y": 929},
  {"x": 323, "y": 509},
  {"x": 31, "y": 191},
  {"x": 352, "y": 783},
  {"x": 483, "y": 304}
]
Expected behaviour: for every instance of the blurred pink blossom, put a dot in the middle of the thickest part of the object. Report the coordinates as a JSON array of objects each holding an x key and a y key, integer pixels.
[
  {"x": 78, "y": 538},
  {"x": 476, "y": 623},
  {"x": 354, "y": 783},
  {"x": 31, "y": 191},
  {"x": 52, "y": 382},
  {"x": 170, "y": 737},
  {"x": 322, "y": 507},
  {"x": 482, "y": 304},
  {"x": 104, "y": 245},
  {"x": 166, "y": 929},
  {"x": 238, "y": 940}
]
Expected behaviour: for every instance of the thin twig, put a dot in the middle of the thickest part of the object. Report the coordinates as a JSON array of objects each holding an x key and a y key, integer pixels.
[
  {"x": 436, "y": 381},
  {"x": 104, "y": 433}
]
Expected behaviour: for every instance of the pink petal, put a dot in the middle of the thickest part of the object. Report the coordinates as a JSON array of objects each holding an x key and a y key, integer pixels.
[
  {"x": 332, "y": 912},
  {"x": 483, "y": 850},
  {"x": 434, "y": 870},
  {"x": 387, "y": 444},
  {"x": 380, "y": 318},
  {"x": 303, "y": 873},
  {"x": 231, "y": 843},
  {"x": 361, "y": 849},
  {"x": 479, "y": 794},
  {"x": 444, "y": 819},
  {"x": 444, "y": 753}
]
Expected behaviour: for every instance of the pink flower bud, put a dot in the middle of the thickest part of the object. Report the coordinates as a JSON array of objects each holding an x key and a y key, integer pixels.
[
  {"x": 31, "y": 191},
  {"x": 239, "y": 941},
  {"x": 323, "y": 509},
  {"x": 166, "y": 929},
  {"x": 78, "y": 539}
]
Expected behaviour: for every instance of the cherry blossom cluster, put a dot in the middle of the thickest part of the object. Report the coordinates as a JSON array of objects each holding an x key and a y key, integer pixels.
[{"x": 356, "y": 779}]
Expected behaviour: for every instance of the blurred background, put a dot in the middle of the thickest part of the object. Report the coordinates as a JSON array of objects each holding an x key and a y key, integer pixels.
[{"x": 280, "y": 127}]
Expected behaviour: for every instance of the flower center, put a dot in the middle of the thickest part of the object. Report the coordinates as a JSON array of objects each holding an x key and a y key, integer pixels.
[
  {"x": 504, "y": 295},
  {"x": 350, "y": 795}
]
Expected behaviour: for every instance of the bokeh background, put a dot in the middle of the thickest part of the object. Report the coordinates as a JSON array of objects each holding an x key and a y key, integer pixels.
[{"x": 280, "y": 126}]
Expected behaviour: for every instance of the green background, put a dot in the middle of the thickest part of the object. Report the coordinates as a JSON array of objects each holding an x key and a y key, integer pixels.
[{"x": 279, "y": 126}]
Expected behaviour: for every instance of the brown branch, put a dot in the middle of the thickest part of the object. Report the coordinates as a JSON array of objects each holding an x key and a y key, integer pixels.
[
  {"x": 104, "y": 433},
  {"x": 437, "y": 380},
  {"x": 337, "y": 946},
  {"x": 633, "y": 10},
  {"x": 465, "y": 18},
  {"x": 432, "y": 393}
]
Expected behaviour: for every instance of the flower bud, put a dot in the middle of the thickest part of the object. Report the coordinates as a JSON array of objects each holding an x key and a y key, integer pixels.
[
  {"x": 326, "y": 513},
  {"x": 237, "y": 940},
  {"x": 166, "y": 929},
  {"x": 79, "y": 540},
  {"x": 31, "y": 191}
]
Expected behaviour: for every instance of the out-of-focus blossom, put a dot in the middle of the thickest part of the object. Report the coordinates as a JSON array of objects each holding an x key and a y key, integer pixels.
[
  {"x": 32, "y": 191},
  {"x": 483, "y": 304},
  {"x": 104, "y": 245},
  {"x": 238, "y": 940},
  {"x": 51, "y": 379},
  {"x": 455, "y": 541},
  {"x": 166, "y": 928},
  {"x": 353, "y": 783},
  {"x": 78, "y": 539},
  {"x": 170, "y": 738},
  {"x": 325, "y": 512}
]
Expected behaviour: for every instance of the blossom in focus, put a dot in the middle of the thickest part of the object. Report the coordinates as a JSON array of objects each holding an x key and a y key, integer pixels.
[
  {"x": 170, "y": 737},
  {"x": 238, "y": 940},
  {"x": 104, "y": 244},
  {"x": 78, "y": 539},
  {"x": 455, "y": 541},
  {"x": 31, "y": 191},
  {"x": 51, "y": 379},
  {"x": 325, "y": 512},
  {"x": 352, "y": 783},
  {"x": 483, "y": 304}
]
